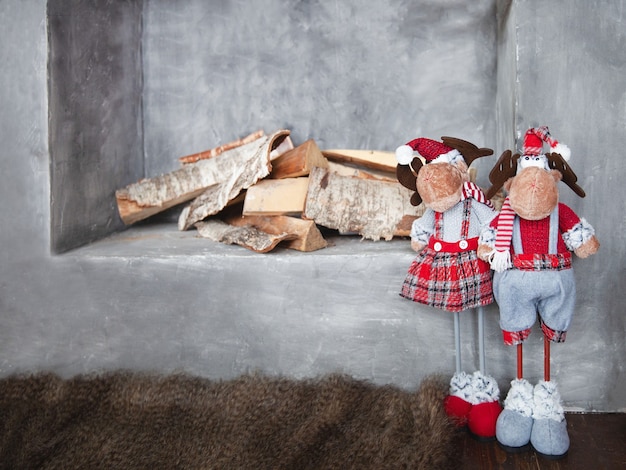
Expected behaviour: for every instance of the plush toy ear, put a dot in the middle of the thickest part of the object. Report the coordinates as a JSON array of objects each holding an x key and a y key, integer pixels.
[
  {"x": 507, "y": 184},
  {"x": 557, "y": 162},
  {"x": 505, "y": 168},
  {"x": 557, "y": 175},
  {"x": 416, "y": 199},
  {"x": 407, "y": 176},
  {"x": 469, "y": 151}
]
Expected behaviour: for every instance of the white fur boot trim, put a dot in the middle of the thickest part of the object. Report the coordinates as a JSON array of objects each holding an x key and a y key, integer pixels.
[
  {"x": 485, "y": 388},
  {"x": 547, "y": 402},
  {"x": 520, "y": 398},
  {"x": 461, "y": 385}
]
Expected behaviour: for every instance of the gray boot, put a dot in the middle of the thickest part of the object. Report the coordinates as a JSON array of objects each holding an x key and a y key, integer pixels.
[
  {"x": 514, "y": 425},
  {"x": 549, "y": 433}
]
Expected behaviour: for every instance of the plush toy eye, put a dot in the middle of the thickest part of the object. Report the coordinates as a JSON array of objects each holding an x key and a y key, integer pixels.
[{"x": 527, "y": 158}]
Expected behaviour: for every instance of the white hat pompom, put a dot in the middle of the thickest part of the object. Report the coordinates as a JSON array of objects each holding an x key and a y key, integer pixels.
[
  {"x": 562, "y": 150},
  {"x": 404, "y": 154}
]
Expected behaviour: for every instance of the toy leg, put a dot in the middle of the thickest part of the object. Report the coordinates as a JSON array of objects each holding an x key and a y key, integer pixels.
[
  {"x": 549, "y": 434},
  {"x": 514, "y": 425},
  {"x": 486, "y": 405},
  {"x": 458, "y": 403},
  {"x": 457, "y": 342},
  {"x": 546, "y": 359},
  {"x": 481, "y": 338},
  {"x": 473, "y": 398}
]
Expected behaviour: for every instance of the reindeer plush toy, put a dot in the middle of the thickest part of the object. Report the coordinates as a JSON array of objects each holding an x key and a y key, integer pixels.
[
  {"x": 529, "y": 245},
  {"x": 447, "y": 273}
]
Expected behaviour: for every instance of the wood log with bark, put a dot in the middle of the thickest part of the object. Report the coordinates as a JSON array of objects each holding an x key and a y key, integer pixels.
[
  {"x": 307, "y": 236},
  {"x": 374, "y": 209},
  {"x": 298, "y": 161},
  {"x": 276, "y": 197},
  {"x": 211, "y": 182},
  {"x": 246, "y": 236},
  {"x": 347, "y": 169},
  {"x": 374, "y": 159},
  {"x": 214, "y": 152}
]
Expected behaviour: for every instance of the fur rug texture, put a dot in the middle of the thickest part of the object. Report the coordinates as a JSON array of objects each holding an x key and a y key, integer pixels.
[{"x": 124, "y": 420}]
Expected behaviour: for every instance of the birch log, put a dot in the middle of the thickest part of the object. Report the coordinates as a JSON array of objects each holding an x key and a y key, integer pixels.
[
  {"x": 374, "y": 159},
  {"x": 214, "y": 152},
  {"x": 298, "y": 161},
  {"x": 307, "y": 236},
  {"x": 276, "y": 197},
  {"x": 224, "y": 176},
  {"x": 372, "y": 208},
  {"x": 243, "y": 167},
  {"x": 246, "y": 236}
]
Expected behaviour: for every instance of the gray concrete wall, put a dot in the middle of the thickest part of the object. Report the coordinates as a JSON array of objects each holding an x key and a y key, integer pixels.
[
  {"x": 348, "y": 74},
  {"x": 569, "y": 75},
  {"x": 155, "y": 298},
  {"x": 96, "y": 128}
]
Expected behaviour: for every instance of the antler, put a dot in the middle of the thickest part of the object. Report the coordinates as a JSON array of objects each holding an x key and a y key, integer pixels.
[
  {"x": 407, "y": 176},
  {"x": 469, "y": 151},
  {"x": 557, "y": 162},
  {"x": 505, "y": 168}
]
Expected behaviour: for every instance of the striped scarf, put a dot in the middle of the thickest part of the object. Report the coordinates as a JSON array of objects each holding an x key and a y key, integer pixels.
[
  {"x": 473, "y": 190},
  {"x": 501, "y": 258}
]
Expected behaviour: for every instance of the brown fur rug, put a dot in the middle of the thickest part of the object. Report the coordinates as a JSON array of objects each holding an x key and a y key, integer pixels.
[{"x": 139, "y": 421}]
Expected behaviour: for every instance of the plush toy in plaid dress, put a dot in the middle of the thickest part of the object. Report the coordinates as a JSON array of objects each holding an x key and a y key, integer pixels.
[
  {"x": 528, "y": 245},
  {"x": 446, "y": 273}
]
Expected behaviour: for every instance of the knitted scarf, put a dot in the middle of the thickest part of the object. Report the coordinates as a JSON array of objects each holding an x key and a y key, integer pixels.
[
  {"x": 501, "y": 258},
  {"x": 473, "y": 190}
]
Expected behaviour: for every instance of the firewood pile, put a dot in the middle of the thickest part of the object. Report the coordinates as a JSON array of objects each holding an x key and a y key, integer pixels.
[{"x": 262, "y": 190}]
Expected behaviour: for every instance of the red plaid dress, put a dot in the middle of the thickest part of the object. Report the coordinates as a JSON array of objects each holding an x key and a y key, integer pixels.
[{"x": 449, "y": 279}]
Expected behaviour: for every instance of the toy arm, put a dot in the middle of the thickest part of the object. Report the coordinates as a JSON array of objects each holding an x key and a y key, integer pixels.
[
  {"x": 487, "y": 240},
  {"x": 578, "y": 234},
  {"x": 421, "y": 230}
]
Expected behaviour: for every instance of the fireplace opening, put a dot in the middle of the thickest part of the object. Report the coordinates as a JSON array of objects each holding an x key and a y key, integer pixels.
[{"x": 135, "y": 84}]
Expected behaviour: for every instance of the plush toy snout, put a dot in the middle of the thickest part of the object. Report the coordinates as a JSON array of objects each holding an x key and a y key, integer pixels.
[
  {"x": 440, "y": 185},
  {"x": 533, "y": 192}
]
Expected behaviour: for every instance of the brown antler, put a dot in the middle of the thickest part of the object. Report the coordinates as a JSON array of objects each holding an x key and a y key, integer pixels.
[
  {"x": 469, "y": 151},
  {"x": 505, "y": 168},
  {"x": 557, "y": 162},
  {"x": 407, "y": 176}
]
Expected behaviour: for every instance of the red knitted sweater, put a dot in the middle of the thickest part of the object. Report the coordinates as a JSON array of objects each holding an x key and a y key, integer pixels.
[{"x": 535, "y": 233}]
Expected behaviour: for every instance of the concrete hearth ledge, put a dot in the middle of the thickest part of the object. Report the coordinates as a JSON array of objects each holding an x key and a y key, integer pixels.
[
  {"x": 164, "y": 240},
  {"x": 154, "y": 298}
]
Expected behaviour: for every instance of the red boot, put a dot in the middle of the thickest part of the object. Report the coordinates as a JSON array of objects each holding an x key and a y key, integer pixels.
[
  {"x": 482, "y": 417},
  {"x": 458, "y": 403}
]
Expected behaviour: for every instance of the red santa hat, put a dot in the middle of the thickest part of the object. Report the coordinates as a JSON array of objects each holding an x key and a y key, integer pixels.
[
  {"x": 428, "y": 149},
  {"x": 536, "y": 136}
]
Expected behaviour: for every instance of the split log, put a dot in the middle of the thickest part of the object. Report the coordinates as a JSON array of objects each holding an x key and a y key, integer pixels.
[
  {"x": 299, "y": 161},
  {"x": 227, "y": 174},
  {"x": 239, "y": 169},
  {"x": 247, "y": 236},
  {"x": 276, "y": 197},
  {"x": 374, "y": 159},
  {"x": 354, "y": 171},
  {"x": 307, "y": 235},
  {"x": 214, "y": 152},
  {"x": 373, "y": 209},
  {"x": 285, "y": 146}
]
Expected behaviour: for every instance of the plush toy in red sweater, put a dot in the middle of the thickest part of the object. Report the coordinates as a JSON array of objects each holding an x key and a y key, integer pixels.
[
  {"x": 446, "y": 273},
  {"x": 529, "y": 246}
]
